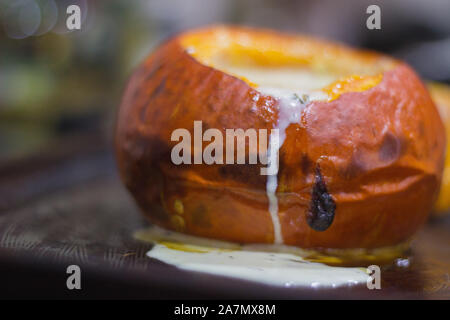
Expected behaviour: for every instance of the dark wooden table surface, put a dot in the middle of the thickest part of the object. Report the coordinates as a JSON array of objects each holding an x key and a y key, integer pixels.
[{"x": 69, "y": 207}]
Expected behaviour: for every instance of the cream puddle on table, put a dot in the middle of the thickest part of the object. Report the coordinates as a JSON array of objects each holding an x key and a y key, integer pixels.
[{"x": 276, "y": 265}]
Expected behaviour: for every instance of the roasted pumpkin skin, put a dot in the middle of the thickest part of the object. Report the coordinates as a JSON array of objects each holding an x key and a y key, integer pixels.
[{"x": 380, "y": 152}]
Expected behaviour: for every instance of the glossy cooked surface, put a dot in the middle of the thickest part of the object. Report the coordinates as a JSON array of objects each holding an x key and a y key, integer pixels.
[{"x": 380, "y": 150}]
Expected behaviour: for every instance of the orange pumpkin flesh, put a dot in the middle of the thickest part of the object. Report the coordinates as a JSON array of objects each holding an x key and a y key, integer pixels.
[{"x": 377, "y": 139}]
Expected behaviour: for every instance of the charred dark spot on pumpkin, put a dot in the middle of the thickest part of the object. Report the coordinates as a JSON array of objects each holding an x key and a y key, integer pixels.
[
  {"x": 305, "y": 163},
  {"x": 159, "y": 88},
  {"x": 248, "y": 174},
  {"x": 151, "y": 72},
  {"x": 391, "y": 148},
  {"x": 144, "y": 75},
  {"x": 152, "y": 96},
  {"x": 320, "y": 215}
]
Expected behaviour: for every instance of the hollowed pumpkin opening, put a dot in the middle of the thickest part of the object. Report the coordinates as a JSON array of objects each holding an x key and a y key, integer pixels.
[{"x": 289, "y": 63}]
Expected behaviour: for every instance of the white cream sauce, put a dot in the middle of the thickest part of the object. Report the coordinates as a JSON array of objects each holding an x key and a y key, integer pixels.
[
  {"x": 294, "y": 87},
  {"x": 274, "y": 265},
  {"x": 290, "y": 107}
]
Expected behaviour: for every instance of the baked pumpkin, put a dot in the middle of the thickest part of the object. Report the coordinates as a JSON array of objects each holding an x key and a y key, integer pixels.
[{"x": 360, "y": 168}]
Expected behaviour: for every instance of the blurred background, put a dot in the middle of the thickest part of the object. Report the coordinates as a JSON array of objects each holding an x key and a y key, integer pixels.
[{"x": 56, "y": 83}]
